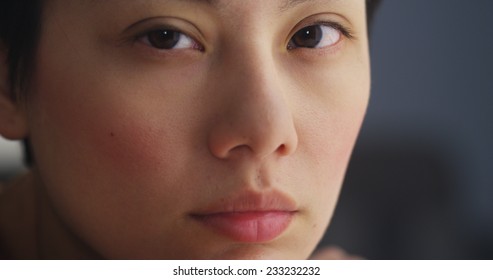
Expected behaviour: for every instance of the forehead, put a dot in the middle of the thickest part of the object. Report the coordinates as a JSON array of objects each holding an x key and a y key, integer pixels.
[
  {"x": 224, "y": 13},
  {"x": 281, "y": 4},
  {"x": 255, "y": 8}
]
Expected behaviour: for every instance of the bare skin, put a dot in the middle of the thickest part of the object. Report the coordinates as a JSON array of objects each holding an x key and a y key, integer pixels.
[
  {"x": 134, "y": 140},
  {"x": 30, "y": 229}
]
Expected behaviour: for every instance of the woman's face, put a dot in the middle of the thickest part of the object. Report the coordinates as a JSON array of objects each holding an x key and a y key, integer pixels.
[{"x": 198, "y": 129}]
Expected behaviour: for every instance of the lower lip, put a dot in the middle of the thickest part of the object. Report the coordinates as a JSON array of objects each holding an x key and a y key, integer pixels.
[{"x": 249, "y": 226}]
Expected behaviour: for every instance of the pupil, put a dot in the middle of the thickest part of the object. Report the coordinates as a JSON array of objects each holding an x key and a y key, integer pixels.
[
  {"x": 164, "y": 39},
  {"x": 308, "y": 37}
]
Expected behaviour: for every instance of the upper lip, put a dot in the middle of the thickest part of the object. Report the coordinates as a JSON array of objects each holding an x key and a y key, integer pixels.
[{"x": 250, "y": 201}]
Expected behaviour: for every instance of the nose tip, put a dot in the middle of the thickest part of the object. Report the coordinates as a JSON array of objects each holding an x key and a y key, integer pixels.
[
  {"x": 258, "y": 125},
  {"x": 253, "y": 137},
  {"x": 258, "y": 122},
  {"x": 253, "y": 116}
]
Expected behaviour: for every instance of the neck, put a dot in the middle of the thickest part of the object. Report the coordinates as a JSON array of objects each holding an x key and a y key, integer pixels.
[{"x": 32, "y": 228}]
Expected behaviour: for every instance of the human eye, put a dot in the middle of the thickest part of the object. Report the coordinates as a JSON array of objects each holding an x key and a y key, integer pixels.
[
  {"x": 320, "y": 35},
  {"x": 168, "y": 39}
]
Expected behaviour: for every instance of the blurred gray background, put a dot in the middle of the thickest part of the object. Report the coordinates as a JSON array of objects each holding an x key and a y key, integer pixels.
[
  {"x": 420, "y": 184},
  {"x": 10, "y": 158}
]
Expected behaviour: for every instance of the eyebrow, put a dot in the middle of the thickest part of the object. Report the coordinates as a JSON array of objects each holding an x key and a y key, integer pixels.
[
  {"x": 289, "y": 4},
  {"x": 286, "y": 5}
]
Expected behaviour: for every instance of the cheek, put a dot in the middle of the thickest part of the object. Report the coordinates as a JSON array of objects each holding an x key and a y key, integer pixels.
[
  {"x": 131, "y": 145},
  {"x": 113, "y": 123},
  {"x": 329, "y": 124},
  {"x": 331, "y": 121},
  {"x": 91, "y": 110},
  {"x": 334, "y": 109},
  {"x": 111, "y": 135},
  {"x": 102, "y": 147},
  {"x": 328, "y": 152}
]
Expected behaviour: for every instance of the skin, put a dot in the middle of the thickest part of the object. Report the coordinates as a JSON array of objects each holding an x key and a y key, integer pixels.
[{"x": 129, "y": 140}]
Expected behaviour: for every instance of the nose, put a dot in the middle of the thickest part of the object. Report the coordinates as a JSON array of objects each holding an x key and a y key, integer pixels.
[{"x": 254, "y": 117}]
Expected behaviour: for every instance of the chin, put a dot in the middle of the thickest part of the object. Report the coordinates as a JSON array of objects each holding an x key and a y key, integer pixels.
[{"x": 254, "y": 252}]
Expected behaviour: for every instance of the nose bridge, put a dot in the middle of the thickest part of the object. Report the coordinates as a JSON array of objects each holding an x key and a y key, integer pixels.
[
  {"x": 257, "y": 116},
  {"x": 257, "y": 79}
]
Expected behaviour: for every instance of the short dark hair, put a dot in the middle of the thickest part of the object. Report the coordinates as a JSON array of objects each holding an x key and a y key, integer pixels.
[
  {"x": 20, "y": 26},
  {"x": 19, "y": 32}
]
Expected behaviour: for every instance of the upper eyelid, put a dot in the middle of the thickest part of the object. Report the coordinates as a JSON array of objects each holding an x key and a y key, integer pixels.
[
  {"x": 156, "y": 22},
  {"x": 140, "y": 28},
  {"x": 146, "y": 32},
  {"x": 346, "y": 31},
  {"x": 334, "y": 20},
  {"x": 137, "y": 30},
  {"x": 196, "y": 44},
  {"x": 143, "y": 34}
]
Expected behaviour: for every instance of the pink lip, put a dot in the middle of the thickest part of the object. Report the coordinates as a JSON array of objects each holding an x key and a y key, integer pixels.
[{"x": 250, "y": 217}]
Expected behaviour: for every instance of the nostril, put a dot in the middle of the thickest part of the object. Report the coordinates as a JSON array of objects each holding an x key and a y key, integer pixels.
[
  {"x": 282, "y": 149},
  {"x": 240, "y": 151},
  {"x": 233, "y": 152}
]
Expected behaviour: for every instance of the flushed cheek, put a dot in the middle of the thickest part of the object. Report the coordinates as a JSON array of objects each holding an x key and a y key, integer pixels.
[
  {"x": 134, "y": 146},
  {"x": 112, "y": 157},
  {"x": 114, "y": 137},
  {"x": 116, "y": 158},
  {"x": 109, "y": 126},
  {"x": 103, "y": 113}
]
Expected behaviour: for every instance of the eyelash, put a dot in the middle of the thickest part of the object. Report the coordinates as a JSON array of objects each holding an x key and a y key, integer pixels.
[
  {"x": 145, "y": 36},
  {"x": 343, "y": 31}
]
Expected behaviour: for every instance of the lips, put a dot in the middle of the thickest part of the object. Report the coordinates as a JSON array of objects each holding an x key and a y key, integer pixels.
[{"x": 249, "y": 217}]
